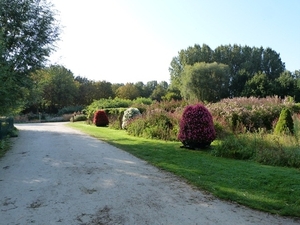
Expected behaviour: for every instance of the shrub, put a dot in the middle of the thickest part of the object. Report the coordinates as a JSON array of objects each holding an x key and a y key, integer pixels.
[
  {"x": 285, "y": 122},
  {"x": 129, "y": 114},
  {"x": 80, "y": 117},
  {"x": 157, "y": 124},
  {"x": 100, "y": 119},
  {"x": 196, "y": 127}
]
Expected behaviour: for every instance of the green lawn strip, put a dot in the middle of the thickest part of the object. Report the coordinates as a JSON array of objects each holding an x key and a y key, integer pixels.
[{"x": 267, "y": 188}]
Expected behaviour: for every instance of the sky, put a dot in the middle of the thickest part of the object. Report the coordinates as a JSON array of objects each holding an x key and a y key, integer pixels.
[{"x": 121, "y": 41}]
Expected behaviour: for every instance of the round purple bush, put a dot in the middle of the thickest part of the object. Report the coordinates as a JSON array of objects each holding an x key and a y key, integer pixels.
[{"x": 196, "y": 127}]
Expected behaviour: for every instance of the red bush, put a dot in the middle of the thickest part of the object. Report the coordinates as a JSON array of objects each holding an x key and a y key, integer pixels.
[
  {"x": 100, "y": 118},
  {"x": 196, "y": 127}
]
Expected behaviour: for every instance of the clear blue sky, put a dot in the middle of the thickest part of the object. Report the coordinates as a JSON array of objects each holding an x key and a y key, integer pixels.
[{"x": 124, "y": 41}]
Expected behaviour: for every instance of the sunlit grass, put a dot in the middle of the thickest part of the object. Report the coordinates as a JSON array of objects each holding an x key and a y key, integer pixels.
[{"x": 267, "y": 188}]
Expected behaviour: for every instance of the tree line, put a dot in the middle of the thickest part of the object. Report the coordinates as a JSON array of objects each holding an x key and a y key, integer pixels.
[
  {"x": 228, "y": 71},
  {"x": 56, "y": 87}
]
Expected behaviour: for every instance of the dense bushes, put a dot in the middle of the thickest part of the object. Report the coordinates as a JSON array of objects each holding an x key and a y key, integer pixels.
[
  {"x": 244, "y": 127},
  {"x": 100, "y": 119},
  {"x": 79, "y": 117},
  {"x": 196, "y": 127},
  {"x": 156, "y": 124},
  {"x": 250, "y": 113},
  {"x": 115, "y": 103}
]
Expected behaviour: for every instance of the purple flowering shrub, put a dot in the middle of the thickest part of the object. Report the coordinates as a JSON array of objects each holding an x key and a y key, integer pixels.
[
  {"x": 196, "y": 127},
  {"x": 100, "y": 118}
]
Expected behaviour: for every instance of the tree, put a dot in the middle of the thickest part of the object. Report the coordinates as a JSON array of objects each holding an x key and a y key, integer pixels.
[
  {"x": 160, "y": 91},
  {"x": 258, "y": 86},
  {"x": 205, "y": 82},
  {"x": 285, "y": 84},
  {"x": 243, "y": 62},
  {"x": 128, "y": 91},
  {"x": 56, "y": 86},
  {"x": 27, "y": 36},
  {"x": 85, "y": 91},
  {"x": 102, "y": 89},
  {"x": 115, "y": 87}
]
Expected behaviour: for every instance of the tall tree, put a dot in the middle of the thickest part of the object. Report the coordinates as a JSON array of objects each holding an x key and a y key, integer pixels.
[
  {"x": 128, "y": 91},
  {"x": 27, "y": 36},
  {"x": 205, "y": 82},
  {"x": 160, "y": 91},
  {"x": 86, "y": 91},
  {"x": 57, "y": 87},
  {"x": 102, "y": 89},
  {"x": 285, "y": 85}
]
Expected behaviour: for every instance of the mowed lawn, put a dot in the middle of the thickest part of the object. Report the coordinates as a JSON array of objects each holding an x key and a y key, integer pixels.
[{"x": 266, "y": 188}]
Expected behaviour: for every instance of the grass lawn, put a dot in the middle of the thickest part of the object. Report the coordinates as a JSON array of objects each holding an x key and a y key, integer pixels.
[{"x": 266, "y": 188}]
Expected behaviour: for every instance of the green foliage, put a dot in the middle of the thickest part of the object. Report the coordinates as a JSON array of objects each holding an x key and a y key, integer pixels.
[
  {"x": 116, "y": 103},
  {"x": 261, "y": 147},
  {"x": 129, "y": 114},
  {"x": 249, "y": 113},
  {"x": 56, "y": 87},
  {"x": 128, "y": 91},
  {"x": 4, "y": 146},
  {"x": 106, "y": 103},
  {"x": 78, "y": 118},
  {"x": 285, "y": 123},
  {"x": 235, "y": 147},
  {"x": 243, "y": 63},
  {"x": 205, "y": 82},
  {"x": 156, "y": 124},
  {"x": 27, "y": 36},
  {"x": 70, "y": 109},
  {"x": 259, "y": 85}
]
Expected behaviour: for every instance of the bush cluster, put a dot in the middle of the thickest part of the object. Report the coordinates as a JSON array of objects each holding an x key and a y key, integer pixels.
[
  {"x": 243, "y": 126},
  {"x": 249, "y": 113},
  {"x": 196, "y": 127},
  {"x": 79, "y": 117},
  {"x": 100, "y": 118},
  {"x": 115, "y": 103},
  {"x": 156, "y": 124}
]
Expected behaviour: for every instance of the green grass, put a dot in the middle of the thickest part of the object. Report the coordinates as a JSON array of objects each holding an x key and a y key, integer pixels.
[
  {"x": 266, "y": 188},
  {"x": 4, "y": 146}
]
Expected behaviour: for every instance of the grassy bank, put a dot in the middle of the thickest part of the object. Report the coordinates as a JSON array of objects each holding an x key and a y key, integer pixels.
[
  {"x": 267, "y": 188},
  {"x": 4, "y": 146}
]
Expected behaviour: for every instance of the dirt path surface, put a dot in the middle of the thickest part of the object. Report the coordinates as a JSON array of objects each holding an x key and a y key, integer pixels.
[{"x": 57, "y": 175}]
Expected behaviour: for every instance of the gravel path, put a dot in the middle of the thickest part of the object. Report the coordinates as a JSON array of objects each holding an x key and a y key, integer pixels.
[{"x": 57, "y": 175}]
